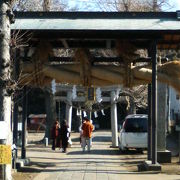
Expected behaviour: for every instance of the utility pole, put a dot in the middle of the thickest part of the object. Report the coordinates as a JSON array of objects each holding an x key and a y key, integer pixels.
[
  {"x": 5, "y": 86},
  {"x": 24, "y": 124}
]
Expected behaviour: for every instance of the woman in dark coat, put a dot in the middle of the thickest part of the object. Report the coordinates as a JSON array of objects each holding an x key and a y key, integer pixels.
[
  {"x": 54, "y": 134},
  {"x": 64, "y": 135}
]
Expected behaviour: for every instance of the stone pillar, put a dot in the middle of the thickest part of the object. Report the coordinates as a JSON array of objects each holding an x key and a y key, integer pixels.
[
  {"x": 169, "y": 109},
  {"x": 50, "y": 111},
  {"x": 114, "y": 123},
  {"x": 163, "y": 155},
  {"x": 69, "y": 109}
]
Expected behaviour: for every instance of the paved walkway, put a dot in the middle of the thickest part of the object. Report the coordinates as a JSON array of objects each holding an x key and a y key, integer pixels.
[{"x": 103, "y": 163}]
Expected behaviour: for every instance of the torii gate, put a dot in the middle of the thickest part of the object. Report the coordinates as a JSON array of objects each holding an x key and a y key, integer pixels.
[{"x": 123, "y": 32}]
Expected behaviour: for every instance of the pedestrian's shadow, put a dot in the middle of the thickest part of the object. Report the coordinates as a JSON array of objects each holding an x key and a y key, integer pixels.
[
  {"x": 110, "y": 152},
  {"x": 95, "y": 139},
  {"x": 36, "y": 167},
  {"x": 102, "y": 139},
  {"x": 96, "y": 152}
]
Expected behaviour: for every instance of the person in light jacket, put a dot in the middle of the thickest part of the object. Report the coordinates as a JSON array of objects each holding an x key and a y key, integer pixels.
[{"x": 87, "y": 129}]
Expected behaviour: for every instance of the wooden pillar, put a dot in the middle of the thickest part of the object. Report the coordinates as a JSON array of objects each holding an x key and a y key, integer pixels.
[
  {"x": 149, "y": 157},
  {"x": 154, "y": 102}
]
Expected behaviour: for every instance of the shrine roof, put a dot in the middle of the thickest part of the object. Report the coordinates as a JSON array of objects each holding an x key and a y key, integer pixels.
[
  {"x": 78, "y": 27},
  {"x": 121, "y": 21}
]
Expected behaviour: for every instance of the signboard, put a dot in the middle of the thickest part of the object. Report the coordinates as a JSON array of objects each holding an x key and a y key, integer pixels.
[
  {"x": 5, "y": 154},
  {"x": 91, "y": 94},
  {"x": 19, "y": 126},
  {"x": 3, "y": 130}
]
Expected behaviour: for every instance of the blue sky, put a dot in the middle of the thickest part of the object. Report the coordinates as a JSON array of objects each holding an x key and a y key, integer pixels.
[
  {"x": 92, "y": 6},
  {"x": 175, "y": 4}
]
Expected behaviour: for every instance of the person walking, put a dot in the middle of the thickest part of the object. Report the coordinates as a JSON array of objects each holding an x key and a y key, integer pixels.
[
  {"x": 54, "y": 134},
  {"x": 64, "y": 135},
  {"x": 87, "y": 129},
  {"x": 81, "y": 132}
]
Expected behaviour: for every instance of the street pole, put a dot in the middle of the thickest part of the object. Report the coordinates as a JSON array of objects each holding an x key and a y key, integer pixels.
[
  {"x": 16, "y": 71},
  {"x": 24, "y": 124}
]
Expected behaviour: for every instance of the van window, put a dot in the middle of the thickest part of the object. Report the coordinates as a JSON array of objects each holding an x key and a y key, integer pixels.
[{"x": 135, "y": 125}]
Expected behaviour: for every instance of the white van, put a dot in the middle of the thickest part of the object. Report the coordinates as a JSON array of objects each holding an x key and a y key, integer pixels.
[{"x": 133, "y": 133}]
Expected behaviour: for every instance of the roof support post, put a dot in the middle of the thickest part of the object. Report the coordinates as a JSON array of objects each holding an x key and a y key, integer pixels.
[
  {"x": 149, "y": 157},
  {"x": 149, "y": 153},
  {"x": 154, "y": 101}
]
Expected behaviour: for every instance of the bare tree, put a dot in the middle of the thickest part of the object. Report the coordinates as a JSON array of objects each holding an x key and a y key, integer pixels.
[
  {"x": 5, "y": 76},
  {"x": 133, "y": 5},
  {"x": 38, "y": 5}
]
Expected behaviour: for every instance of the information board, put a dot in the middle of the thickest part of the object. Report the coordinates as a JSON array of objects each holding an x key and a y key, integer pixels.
[{"x": 5, "y": 154}]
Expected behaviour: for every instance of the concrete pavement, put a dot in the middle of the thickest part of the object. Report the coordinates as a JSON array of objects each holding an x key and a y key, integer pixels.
[{"x": 102, "y": 163}]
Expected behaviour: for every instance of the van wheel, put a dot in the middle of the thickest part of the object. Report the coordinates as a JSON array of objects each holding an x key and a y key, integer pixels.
[{"x": 123, "y": 150}]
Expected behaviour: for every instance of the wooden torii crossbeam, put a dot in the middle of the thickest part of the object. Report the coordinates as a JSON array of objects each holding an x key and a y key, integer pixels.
[{"x": 116, "y": 31}]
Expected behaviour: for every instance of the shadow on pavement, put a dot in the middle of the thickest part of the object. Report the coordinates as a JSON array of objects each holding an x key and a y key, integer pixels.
[
  {"x": 97, "y": 152},
  {"x": 95, "y": 139},
  {"x": 102, "y": 139},
  {"x": 65, "y": 169},
  {"x": 106, "y": 152}
]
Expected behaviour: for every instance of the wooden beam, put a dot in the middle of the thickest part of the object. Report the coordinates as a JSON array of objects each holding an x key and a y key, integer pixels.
[
  {"x": 81, "y": 99},
  {"x": 110, "y": 75}
]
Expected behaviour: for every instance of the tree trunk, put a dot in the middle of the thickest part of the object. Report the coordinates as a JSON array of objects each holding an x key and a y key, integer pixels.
[
  {"x": 5, "y": 74},
  {"x": 46, "y": 5},
  {"x": 155, "y": 5}
]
